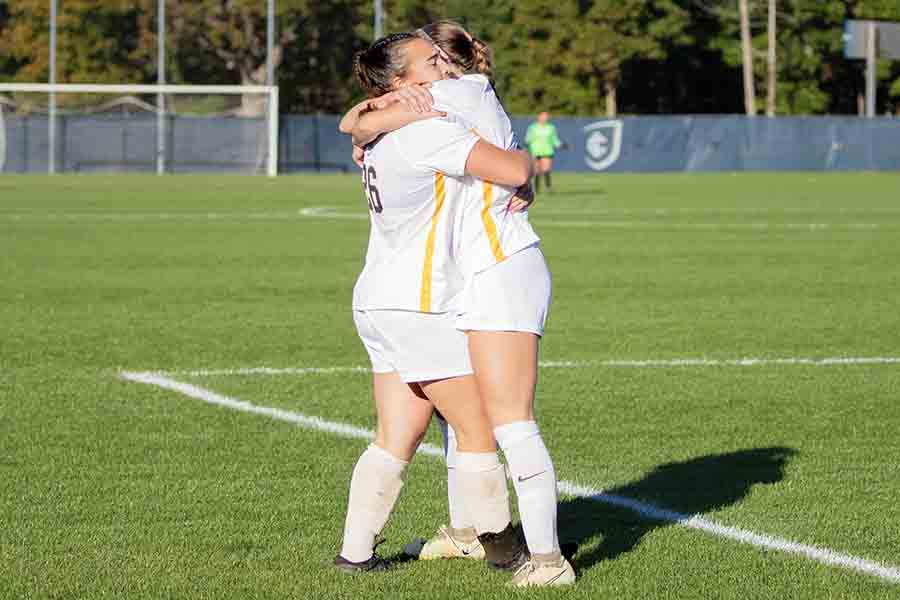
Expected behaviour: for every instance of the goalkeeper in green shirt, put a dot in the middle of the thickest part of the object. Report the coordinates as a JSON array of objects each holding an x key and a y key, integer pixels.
[{"x": 542, "y": 142}]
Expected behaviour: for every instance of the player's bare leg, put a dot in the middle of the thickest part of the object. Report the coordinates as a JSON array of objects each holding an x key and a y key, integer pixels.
[
  {"x": 538, "y": 171},
  {"x": 546, "y": 168},
  {"x": 459, "y": 539},
  {"x": 505, "y": 364},
  {"x": 403, "y": 417},
  {"x": 480, "y": 475},
  {"x": 403, "y": 412}
]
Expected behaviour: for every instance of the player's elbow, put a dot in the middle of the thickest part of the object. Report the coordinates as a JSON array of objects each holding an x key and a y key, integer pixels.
[{"x": 347, "y": 123}]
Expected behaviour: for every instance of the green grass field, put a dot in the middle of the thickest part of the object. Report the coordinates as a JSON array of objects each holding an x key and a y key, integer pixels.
[{"x": 116, "y": 489}]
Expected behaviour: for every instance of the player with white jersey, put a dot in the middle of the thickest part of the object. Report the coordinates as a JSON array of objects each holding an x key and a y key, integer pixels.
[
  {"x": 498, "y": 232},
  {"x": 402, "y": 308},
  {"x": 502, "y": 310}
]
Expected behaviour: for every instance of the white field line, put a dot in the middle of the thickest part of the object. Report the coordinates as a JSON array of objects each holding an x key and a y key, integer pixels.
[
  {"x": 543, "y": 210},
  {"x": 152, "y": 216},
  {"x": 565, "y": 364},
  {"x": 757, "y": 226},
  {"x": 325, "y": 212},
  {"x": 645, "y": 510}
]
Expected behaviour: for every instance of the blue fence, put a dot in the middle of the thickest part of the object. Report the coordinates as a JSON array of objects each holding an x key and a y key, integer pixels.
[
  {"x": 727, "y": 143},
  {"x": 312, "y": 143}
]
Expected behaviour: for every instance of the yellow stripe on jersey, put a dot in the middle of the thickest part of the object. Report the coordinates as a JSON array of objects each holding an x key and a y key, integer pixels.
[
  {"x": 489, "y": 227},
  {"x": 439, "y": 194}
]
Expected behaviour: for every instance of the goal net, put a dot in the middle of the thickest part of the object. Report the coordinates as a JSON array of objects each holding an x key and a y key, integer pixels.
[{"x": 138, "y": 128}]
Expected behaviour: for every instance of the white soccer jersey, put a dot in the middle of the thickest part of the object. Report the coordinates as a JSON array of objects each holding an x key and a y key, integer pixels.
[
  {"x": 408, "y": 175},
  {"x": 485, "y": 233}
]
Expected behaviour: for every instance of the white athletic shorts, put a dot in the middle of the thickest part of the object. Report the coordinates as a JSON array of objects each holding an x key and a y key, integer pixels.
[
  {"x": 513, "y": 295},
  {"x": 418, "y": 346}
]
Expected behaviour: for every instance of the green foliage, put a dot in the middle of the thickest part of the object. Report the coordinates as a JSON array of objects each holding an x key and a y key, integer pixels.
[
  {"x": 96, "y": 42},
  {"x": 663, "y": 56},
  {"x": 813, "y": 75}
]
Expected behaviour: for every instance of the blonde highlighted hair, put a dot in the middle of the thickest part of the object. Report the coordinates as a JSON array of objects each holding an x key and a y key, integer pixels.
[{"x": 468, "y": 52}]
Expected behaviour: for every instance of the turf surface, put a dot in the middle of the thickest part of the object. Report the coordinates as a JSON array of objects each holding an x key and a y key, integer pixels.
[{"x": 110, "y": 488}]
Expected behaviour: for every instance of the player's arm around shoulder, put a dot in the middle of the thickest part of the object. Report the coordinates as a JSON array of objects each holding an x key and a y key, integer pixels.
[
  {"x": 375, "y": 123},
  {"x": 372, "y": 118}
]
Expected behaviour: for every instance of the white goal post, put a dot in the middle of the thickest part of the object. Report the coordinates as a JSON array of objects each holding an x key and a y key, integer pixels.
[{"x": 271, "y": 93}]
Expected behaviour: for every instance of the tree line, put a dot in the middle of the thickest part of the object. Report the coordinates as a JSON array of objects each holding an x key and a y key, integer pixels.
[{"x": 571, "y": 57}]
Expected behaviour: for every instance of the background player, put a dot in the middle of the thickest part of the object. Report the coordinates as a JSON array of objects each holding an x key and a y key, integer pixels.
[{"x": 542, "y": 141}]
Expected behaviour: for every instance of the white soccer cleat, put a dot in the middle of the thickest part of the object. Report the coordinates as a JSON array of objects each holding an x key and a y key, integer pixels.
[
  {"x": 444, "y": 545},
  {"x": 544, "y": 574}
]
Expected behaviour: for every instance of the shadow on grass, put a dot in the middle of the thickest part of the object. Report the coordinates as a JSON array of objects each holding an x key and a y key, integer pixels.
[{"x": 691, "y": 487}]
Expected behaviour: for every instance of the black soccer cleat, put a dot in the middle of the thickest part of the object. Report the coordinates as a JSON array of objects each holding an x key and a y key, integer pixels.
[
  {"x": 506, "y": 550},
  {"x": 373, "y": 565},
  {"x": 568, "y": 550}
]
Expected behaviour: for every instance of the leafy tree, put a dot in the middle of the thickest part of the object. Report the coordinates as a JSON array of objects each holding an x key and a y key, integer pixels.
[
  {"x": 612, "y": 32},
  {"x": 225, "y": 41},
  {"x": 581, "y": 57},
  {"x": 690, "y": 76},
  {"x": 7, "y": 64},
  {"x": 531, "y": 41},
  {"x": 813, "y": 75},
  {"x": 96, "y": 42}
]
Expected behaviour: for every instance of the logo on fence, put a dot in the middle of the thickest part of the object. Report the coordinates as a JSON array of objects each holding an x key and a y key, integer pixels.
[{"x": 603, "y": 144}]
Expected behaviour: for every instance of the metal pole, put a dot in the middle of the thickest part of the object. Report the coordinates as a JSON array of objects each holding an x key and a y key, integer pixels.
[
  {"x": 747, "y": 51},
  {"x": 379, "y": 19},
  {"x": 273, "y": 95},
  {"x": 161, "y": 80},
  {"x": 871, "y": 73},
  {"x": 270, "y": 44},
  {"x": 51, "y": 129},
  {"x": 772, "y": 60},
  {"x": 273, "y": 133}
]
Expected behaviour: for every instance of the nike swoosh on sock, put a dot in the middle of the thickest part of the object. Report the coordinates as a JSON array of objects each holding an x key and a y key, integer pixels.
[{"x": 521, "y": 479}]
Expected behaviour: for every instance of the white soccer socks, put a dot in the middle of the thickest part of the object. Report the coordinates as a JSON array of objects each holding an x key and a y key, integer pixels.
[
  {"x": 482, "y": 485},
  {"x": 534, "y": 479},
  {"x": 461, "y": 525},
  {"x": 374, "y": 489}
]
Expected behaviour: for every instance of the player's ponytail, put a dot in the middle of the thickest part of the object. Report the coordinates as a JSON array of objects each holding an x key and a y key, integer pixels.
[
  {"x": 377, "y": 66},
  {"x": 468, "y": 52},
  {"x": 484, "y": 58}
]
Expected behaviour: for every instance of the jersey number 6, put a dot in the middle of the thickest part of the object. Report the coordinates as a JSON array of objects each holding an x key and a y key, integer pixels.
[{"x": 371, "y": 190}]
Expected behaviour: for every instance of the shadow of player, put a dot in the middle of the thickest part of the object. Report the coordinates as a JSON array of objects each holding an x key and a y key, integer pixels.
[{"x": 690, "y": 487}]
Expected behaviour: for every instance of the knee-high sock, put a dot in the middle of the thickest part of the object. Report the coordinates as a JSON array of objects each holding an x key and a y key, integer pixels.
[
  {"x": 537, "y": 182},
  {"x": 460, "y": 520},
  {"x": 535, "y": 482},
  {"x": 547, "y": 179},
  {"x": 482, "y": 481},
  {"x": 374, "y": 489}
]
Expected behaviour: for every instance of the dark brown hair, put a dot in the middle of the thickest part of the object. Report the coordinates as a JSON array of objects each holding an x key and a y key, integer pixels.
[
  {"x": 377, "y": 66},
  {"x": 471, "y": 54}
]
